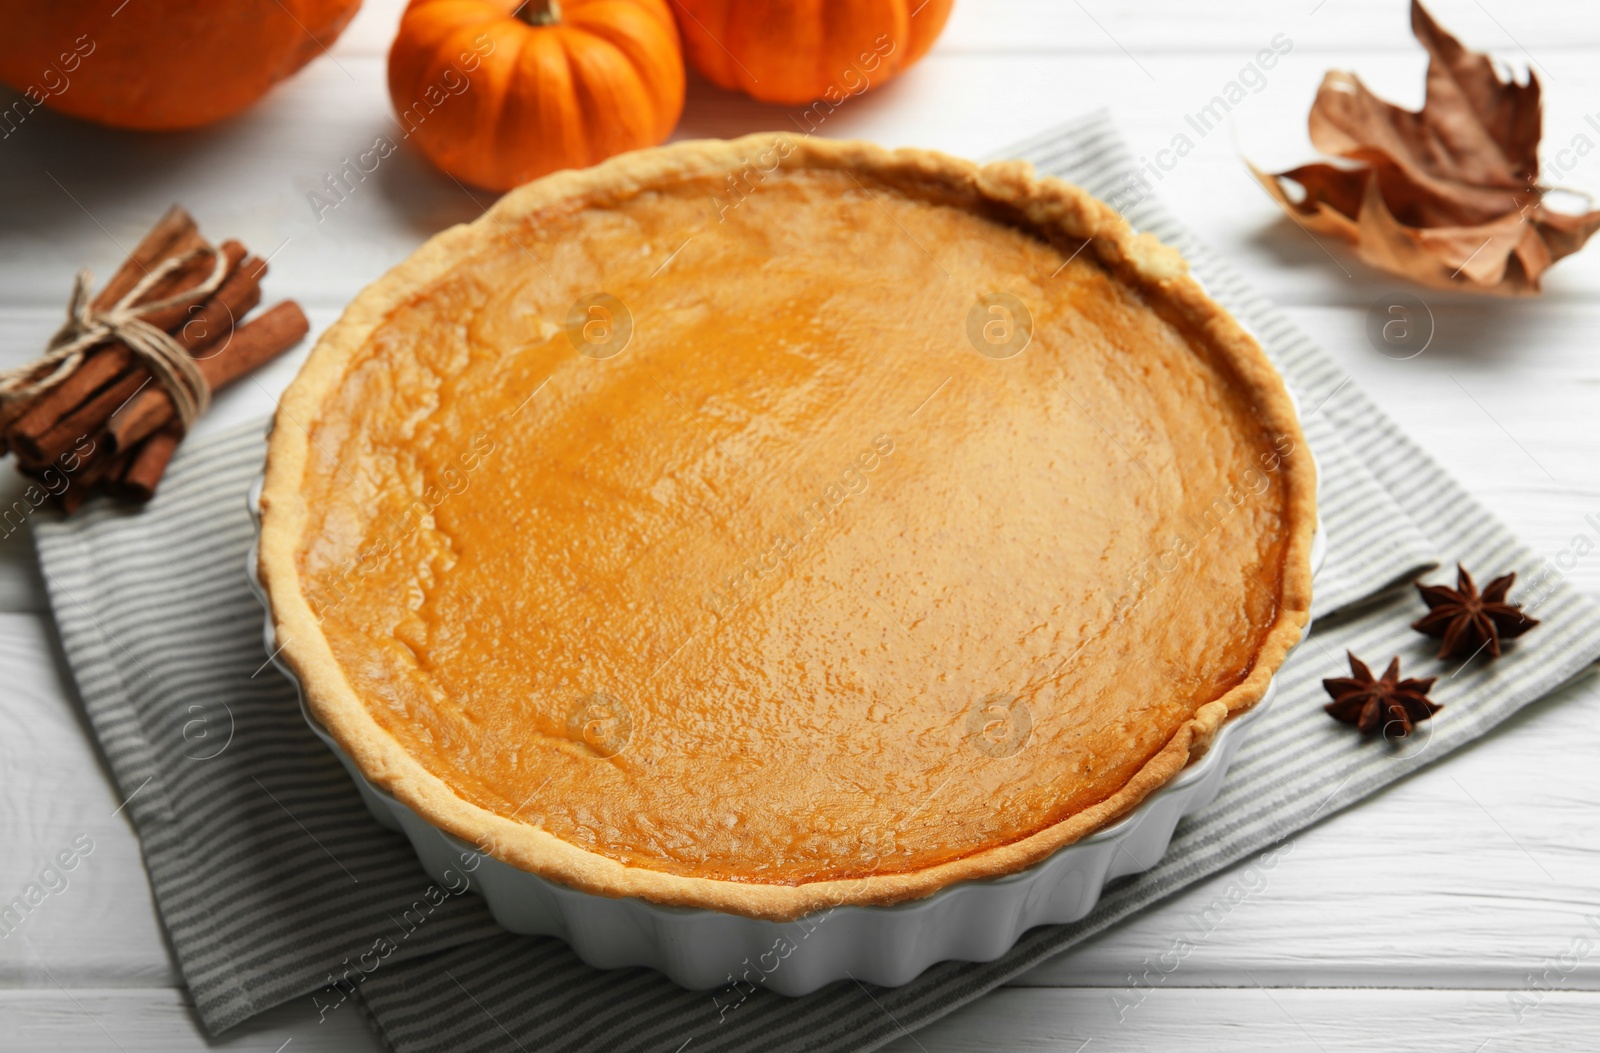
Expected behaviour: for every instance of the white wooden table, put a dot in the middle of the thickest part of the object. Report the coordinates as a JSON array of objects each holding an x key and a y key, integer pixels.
[{"x": 1458, "y": 910}]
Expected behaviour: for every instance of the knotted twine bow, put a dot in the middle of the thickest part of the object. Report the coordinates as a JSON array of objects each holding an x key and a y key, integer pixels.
[{"x": 124, "y": 322}]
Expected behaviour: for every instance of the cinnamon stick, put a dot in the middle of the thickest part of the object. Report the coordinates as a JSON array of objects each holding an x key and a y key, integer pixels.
[
  {"x": 106, "y": 363},
  {"x": 185, "y": 244},
  {"x": 11, "y": 411},
  {"x": 81, "y": 488},
  {"x": 259, "y": 340},
  {"x": 86, "y": 419},
  {"x": 235, "y": 298},
  {"x": 151, "y": 250},
  {"x": 188, "y": 278},
  {"x": 174, "y": 232},
  {"x": 111, "y": 395},
  {"x": 209, "y": 326},
  {"x": 99, "y": 368},
  {"x": 146, "y": 465}
]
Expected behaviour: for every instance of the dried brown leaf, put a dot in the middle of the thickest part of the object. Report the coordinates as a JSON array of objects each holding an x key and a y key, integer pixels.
[
  {"x": 1330, "y": 198},
  {"x": 1447, "y": 196}
]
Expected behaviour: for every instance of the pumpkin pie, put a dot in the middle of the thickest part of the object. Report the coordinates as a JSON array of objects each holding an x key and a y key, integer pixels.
[{"x": 778, "y": 523}]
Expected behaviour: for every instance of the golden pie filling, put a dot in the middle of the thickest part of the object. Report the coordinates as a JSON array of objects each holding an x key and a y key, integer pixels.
[{"x": 783, "y": 526}]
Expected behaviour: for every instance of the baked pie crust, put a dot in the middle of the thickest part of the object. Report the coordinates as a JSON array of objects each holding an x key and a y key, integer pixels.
[{"x": 780, "y": 523}]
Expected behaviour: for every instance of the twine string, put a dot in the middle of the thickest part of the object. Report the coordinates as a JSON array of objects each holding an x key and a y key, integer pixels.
[{"x": 124, "y": 321}]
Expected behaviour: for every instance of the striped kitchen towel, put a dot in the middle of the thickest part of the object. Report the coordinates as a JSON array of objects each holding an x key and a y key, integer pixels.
[{"x": 273, "y": 881}]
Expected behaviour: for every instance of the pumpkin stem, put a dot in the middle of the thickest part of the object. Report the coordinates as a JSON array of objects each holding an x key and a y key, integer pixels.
[{"x": 539, "y": 12}]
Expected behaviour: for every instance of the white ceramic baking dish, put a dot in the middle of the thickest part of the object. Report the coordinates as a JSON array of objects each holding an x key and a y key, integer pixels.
[{"x": 703, "y": 949}]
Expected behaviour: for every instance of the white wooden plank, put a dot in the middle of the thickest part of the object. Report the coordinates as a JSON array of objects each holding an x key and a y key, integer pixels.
[
  {"x": 1179, "y": 26},
  {"x": 96, "y": 923},
  {"x": 64, "y": 1020},
  {"x": 20, "y": 588},
  {"x": 1250, "y": 1018},
  {"x": 253, "y": 177},
  {"x": 1505, "y": 399},
  {"x": 1242, "y": 1019},
  {"x": 1013, "y": 26}
]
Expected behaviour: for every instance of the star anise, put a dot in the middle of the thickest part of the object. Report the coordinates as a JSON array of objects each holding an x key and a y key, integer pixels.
[
  {"x": 1390, "y": 704},
  {"x": 1468, "y": 622}
]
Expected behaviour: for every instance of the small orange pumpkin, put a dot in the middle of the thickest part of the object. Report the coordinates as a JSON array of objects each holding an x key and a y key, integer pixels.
[
  {"x": 799, "y": 51},
  {"x": 157, "y": 64},
  {"x": 497, "y": 92}
]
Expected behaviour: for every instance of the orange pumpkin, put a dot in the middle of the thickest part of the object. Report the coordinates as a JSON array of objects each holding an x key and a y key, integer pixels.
[
  {"x": 497, "y": 92},
  {"x": 799, "y": 51},
  {"x": 157, "y": 64}
]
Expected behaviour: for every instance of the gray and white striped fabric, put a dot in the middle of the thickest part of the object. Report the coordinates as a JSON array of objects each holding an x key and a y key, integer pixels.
[{"x": 274, "y": 882}]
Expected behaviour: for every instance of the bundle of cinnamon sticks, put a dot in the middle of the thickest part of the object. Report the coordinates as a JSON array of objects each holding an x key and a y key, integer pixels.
[{"x": 110, "y": 426}]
